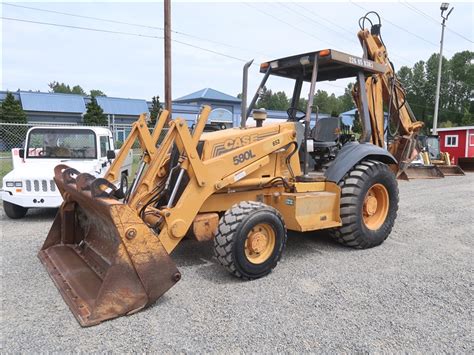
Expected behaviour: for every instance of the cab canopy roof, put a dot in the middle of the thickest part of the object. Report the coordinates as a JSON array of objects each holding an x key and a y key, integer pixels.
[{"x": 332, "y": 65}]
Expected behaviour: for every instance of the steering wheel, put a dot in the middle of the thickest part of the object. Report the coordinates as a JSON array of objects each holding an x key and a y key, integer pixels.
[{"x": 292, "y": 114}]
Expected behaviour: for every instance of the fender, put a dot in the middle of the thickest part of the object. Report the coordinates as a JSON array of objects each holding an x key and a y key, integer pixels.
[{"x": 352, "y": 153}]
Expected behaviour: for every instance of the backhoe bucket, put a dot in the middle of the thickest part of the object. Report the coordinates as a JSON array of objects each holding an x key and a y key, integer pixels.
[
  {"x": 423, "y": 172},
  {"x": 451, "y": 170},
  {"x": 103, "y": 259}
]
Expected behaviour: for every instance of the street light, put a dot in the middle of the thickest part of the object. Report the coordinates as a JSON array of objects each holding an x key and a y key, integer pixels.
[{"x": 444, "y": 6}]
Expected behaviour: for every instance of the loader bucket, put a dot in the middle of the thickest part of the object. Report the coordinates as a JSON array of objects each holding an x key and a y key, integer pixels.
[
  {"x": 451, "y": 170},
  {"x": 103, "y": 259},
  {"x": 466, "y": 163},
  {"x": 423, "y": 172}
]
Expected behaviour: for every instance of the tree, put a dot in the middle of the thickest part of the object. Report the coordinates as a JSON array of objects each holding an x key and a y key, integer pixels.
[
  {"x": 456, "y": 92},
  {"x": 95, "y": 93},
  {"x": 94, "y": 114},
  {"x": 63, "y": 88},
  {"x": 156, "y": 108},
  {"x": 11, "y": 110}
]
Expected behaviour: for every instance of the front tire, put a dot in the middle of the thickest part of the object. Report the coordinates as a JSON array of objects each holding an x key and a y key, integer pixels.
[
  {"x": 369, "y": 204},
  {"x": 14, "y": 211},
  {"x": 250, "y": 239},
  {"x": 122, "y": 191}
]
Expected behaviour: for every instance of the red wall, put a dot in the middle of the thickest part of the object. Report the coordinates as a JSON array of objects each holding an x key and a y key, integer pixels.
[
  {"x": 470, "y": 148},
  {"x": 455, "y": 152}
]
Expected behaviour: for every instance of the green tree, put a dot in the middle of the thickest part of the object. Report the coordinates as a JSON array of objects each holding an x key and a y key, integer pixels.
[
  {"x": 156, "y": 108},
  {"x": 94, "y": 114},
  {"x": 273, "y": 101},
  {"x": 456, "y": 92},
  {"x": 11, "y": 110},
  {"x": 95, "y": 93},
  {"x": 62, "y": 88}
]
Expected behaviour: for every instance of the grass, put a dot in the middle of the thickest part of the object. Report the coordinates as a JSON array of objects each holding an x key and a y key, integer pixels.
[{"x": 6, "y": 164}]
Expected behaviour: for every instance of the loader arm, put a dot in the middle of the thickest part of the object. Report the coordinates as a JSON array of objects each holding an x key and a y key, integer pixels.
[
  {"x": 205, "y": 177},
  {"x": 147, "y": 143}
]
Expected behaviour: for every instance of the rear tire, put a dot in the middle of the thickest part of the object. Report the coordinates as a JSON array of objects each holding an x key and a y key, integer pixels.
[
  {"x": 14, "y": 211},
  {"x": 250, "y": 239},
  {"x": 369, "y": 204}
]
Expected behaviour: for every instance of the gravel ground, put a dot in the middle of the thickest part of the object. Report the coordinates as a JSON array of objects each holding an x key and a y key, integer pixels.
[{"x": 413, "y": 293}]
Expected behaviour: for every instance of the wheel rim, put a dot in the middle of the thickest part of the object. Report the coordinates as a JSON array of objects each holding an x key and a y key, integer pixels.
[
  {"x": 124, "y": 185},
  {"x": 260, "y": 243},
  {"x": 375, "y": 207}
]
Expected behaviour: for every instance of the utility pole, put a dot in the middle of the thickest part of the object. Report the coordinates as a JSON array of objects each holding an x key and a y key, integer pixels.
[
  {"x": 167, "y": 13},
  {"x": 443, "y": 8}
]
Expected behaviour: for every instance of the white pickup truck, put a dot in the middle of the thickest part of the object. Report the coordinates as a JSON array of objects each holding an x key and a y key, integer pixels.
[{"x": 30, "y": 183}]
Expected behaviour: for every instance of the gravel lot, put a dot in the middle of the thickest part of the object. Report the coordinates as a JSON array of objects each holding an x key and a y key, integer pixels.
[{"x": 413, "y": 293}]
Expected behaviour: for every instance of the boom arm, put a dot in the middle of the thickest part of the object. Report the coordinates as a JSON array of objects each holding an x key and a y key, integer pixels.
[{"x": 386, "y": 89}]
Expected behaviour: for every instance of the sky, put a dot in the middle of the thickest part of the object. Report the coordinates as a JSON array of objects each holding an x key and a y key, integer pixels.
[{"x": 126, "y": 65}]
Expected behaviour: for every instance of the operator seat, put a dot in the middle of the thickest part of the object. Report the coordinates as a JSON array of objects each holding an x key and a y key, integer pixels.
[{"x": 326, "y": 132}]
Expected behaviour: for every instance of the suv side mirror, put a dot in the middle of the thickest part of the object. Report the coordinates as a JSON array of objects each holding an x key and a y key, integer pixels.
[
  {"x": 110, "y": 154},
  {"x": 21, "y": 153}
]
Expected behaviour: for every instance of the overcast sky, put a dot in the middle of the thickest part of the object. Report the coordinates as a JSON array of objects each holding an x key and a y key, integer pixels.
[{"x": 130, "y": 66}]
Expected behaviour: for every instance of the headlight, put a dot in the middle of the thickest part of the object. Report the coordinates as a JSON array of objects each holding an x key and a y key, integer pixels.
[{"x": 14, "y": 184}]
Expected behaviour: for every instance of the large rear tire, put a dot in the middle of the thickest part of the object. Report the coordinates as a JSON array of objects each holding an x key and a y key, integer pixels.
[
  {"x": 369, "y": 204},
  {"x": 14, "y": 211},
  {"x": 250, "y": 239}
]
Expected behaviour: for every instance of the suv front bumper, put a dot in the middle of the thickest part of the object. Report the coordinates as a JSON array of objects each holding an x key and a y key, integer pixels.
[{"x": 30, "y": 201}]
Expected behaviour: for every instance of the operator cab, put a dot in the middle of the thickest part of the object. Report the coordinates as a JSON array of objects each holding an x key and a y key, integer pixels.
[{"x": 324, "y": 139}]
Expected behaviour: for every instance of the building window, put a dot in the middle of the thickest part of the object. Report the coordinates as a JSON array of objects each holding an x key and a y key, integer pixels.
[
  {"x": 471, "y": 140},
  {"x": 451, "y": 141}
]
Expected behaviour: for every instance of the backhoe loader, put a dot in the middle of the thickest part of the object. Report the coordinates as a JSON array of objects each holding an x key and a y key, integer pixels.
[
  {"x": 400, "y": 134},
  {"x": 243, "y": 188}
]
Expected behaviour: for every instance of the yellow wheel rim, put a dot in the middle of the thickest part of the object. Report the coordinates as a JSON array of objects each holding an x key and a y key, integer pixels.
[
  {"x": 375, "y": 207},
  {"x": 260, "y": 243}
]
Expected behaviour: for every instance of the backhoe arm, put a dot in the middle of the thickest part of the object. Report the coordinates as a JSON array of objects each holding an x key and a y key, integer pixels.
[{"x": 385, "y": 91}]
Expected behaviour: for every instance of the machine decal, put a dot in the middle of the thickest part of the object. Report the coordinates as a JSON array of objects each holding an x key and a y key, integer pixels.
[
  {"x": 238, "y": 159},
  {"x": 232, "y": 143}
]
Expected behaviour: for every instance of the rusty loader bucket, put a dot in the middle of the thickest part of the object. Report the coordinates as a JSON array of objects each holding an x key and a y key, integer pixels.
[
  {"x": 422, "y": 172},
  {"x": 451, "y": 170},
  {"x": 466, "y": 163},
  {"x": 103, "y": 259}
]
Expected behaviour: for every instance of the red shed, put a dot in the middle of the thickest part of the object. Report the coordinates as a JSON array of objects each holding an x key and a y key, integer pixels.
[{"x": 457, "y": 141}]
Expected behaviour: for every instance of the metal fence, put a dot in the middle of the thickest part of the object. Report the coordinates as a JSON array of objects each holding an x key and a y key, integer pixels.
[{"x": 13, "y": 135}]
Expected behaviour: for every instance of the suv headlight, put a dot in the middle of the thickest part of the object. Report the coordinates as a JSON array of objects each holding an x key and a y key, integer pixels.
[{"x": 14, "y": 184}]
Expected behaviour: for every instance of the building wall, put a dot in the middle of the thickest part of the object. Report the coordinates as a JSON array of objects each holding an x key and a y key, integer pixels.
[
  {"x": 460, "y": 149},
  {"x": 470, "y": 143}
]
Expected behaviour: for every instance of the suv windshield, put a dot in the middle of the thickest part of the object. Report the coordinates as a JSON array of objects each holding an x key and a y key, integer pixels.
[{"x": 61, "y": 143}]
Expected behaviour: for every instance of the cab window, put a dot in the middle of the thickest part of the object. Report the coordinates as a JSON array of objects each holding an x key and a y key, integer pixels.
[{"x": 104, "y": 146}]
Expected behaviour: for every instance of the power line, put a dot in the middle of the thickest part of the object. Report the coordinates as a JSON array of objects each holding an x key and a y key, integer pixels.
[
  {"x": 122, "y": 33},
  {"x": 283, "y": 21},
  {"x": 314, "y": 21},
  {"x": 399, "y": 27},
  {"x": 130, "y": 24},
  {"x": 341, "y": 35},
  {"x": 424, "y": 14},
  {"x": 322, "y": 18}
]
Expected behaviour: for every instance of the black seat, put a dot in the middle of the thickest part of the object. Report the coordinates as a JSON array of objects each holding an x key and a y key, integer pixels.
[{"x": 326, "y": 132}]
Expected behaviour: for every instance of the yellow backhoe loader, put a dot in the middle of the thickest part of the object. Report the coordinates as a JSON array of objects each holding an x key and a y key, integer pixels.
[
  {"x": 243, "y": 188},
  {"x": 400, "y": 135}
]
